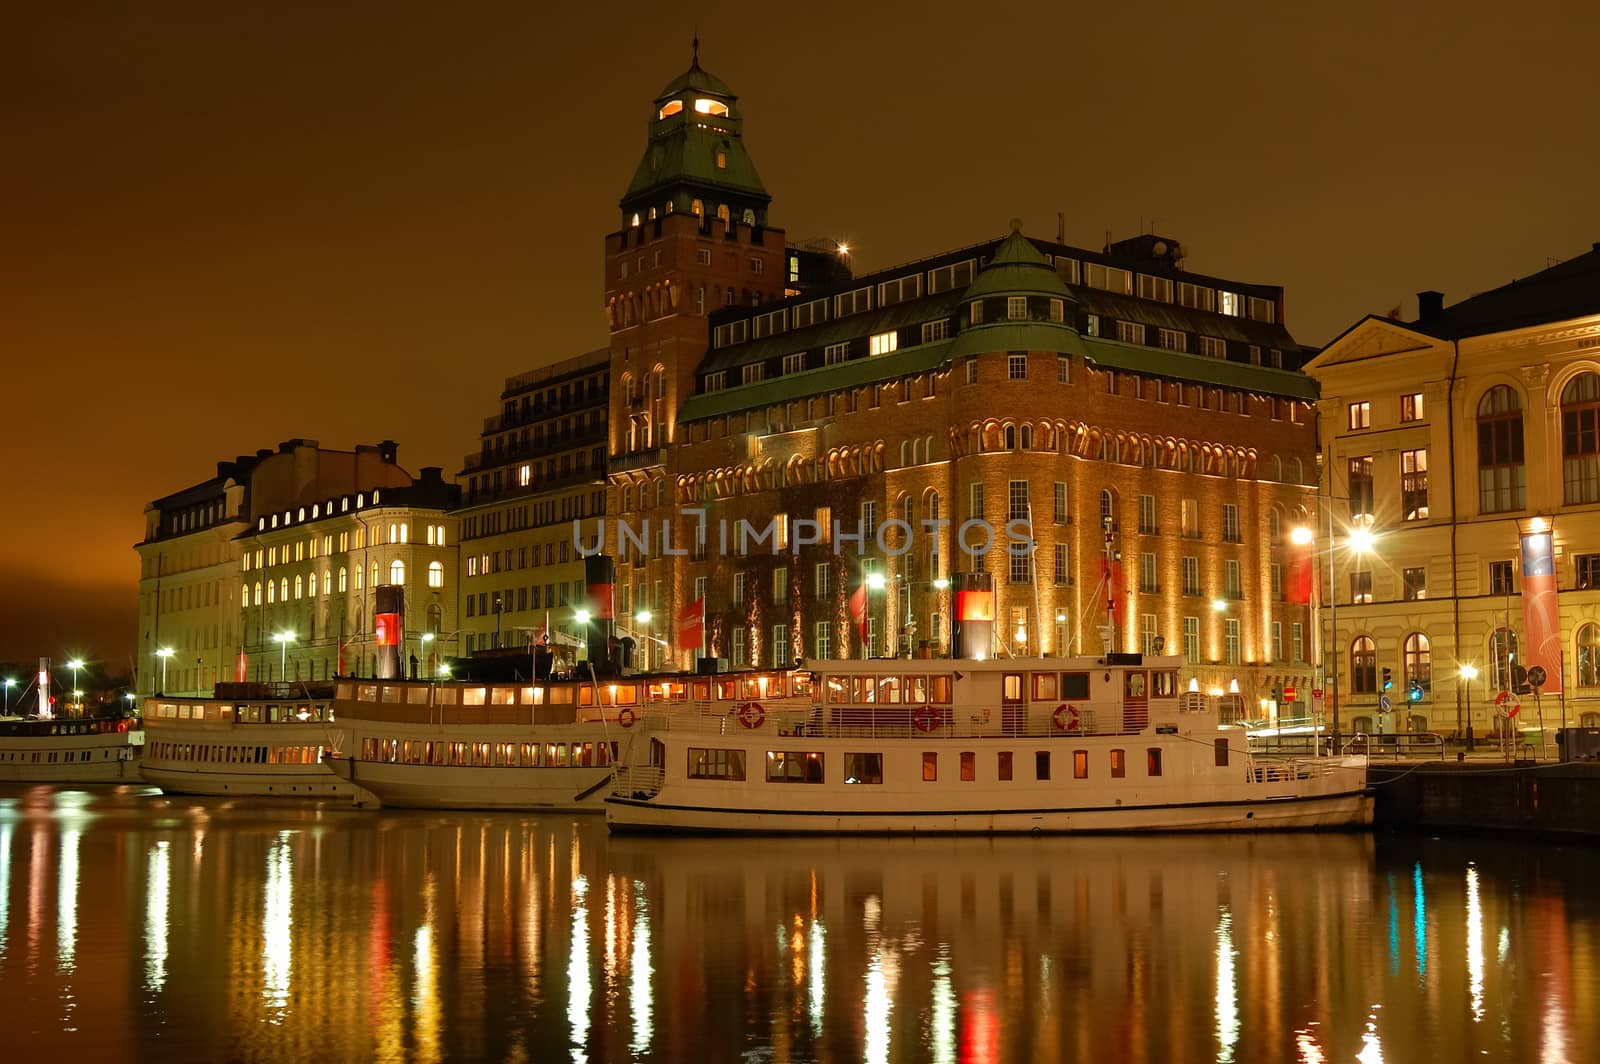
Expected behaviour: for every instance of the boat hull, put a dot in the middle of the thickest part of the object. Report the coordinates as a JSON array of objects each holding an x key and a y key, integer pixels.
[
  {"x": 318, "y": 782},
  {"x": 1338, "y": 811},
  {"x": 404, "y": 785},
  {"x": 91, "y": 757}
]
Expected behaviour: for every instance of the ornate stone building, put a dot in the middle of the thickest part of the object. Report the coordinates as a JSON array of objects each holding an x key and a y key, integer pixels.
[
  {"x": 1083, "y": 393},
  {"x": 1448, "y": 439}
]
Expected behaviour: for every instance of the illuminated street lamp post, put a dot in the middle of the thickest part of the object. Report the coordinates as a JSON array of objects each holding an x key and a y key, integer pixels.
[
  {"x": 75, "y": 665},
  {"x": 583, "y": 617},
  {"x": 1468, "y": 674},
  {"x": 9, "y": 683},
  {"x": 644, "y": 617},
  {"x": 425, "y": 639},
  {"x": 283, "y": 639},
  {"x": 164, "y": 653},
  {"x": 875, "y": 582}
]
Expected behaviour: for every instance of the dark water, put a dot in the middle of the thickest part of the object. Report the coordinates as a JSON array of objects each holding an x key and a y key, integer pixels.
[{"x": 134, "y": 926}]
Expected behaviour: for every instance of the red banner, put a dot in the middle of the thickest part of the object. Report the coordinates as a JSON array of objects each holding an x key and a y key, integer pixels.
[
  {"x": 1297, "y": 585},
  {"x": 1541, "y": 617},
  {"x": 692, "y": 625},
  {"x": 1116, "y": 586},
  {"x": 858, "y": 610},
  {"x": 241, "y": 668},
  {"x": 387, "y": 628}
]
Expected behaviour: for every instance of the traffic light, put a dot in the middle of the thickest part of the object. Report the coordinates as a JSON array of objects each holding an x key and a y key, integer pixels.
[
  {"x": 1388, "y": 680},
  {"x": 1414, "y": 694}
]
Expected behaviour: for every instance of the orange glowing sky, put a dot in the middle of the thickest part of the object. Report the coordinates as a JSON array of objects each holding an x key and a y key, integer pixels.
[{"x": 223, "y": 226}]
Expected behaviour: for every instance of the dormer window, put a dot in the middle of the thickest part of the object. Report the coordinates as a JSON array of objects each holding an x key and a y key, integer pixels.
[
  {"x": 671, "y": 108},
  {"x": 710, "y": 107},
  {"x": 636, "y": 219}
]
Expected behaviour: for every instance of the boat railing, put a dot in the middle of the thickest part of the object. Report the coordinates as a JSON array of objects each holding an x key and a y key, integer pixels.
[
  {"x": 944, "y": 723},
  {"x": 637, "y": 781},
  {"x": 1403, "y": 744},
  {"x": 1295, "y": 769}
]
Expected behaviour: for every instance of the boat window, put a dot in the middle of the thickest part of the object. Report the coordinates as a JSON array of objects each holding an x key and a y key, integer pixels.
[
  {"x": 969, "y": 766},
  {"x": 1164, "y": 684},
  {"x": 930, "y": 766},
  {"x": 1004, "y": 764},
  {"x": 503, "y": 696},
  {"x": 939, "y": 690},
  {"x": 790, "y": 766},
  {"x": 801, "y": 683},
  {"x": 626, "y": 694},
  {"x": 838, "y": 690},
  {"x": 889, "y": 690},
  {"x": 1221, "y": 746},
  {"x": 473, "y": 696},
  {"x": 1044, "y": 686},
  {"x": 1119, "y": 764},
  {"x": 392, "y": 693},
  {"x": 532, "y": 696},
  {"x": 561, "y": 696},
  {"x": 1133, "y": 685},
  {"x": 445, "y": 696},
  {"x": 863, "y": 768},
  {"x": 864, "y": 688},
  {"x": 715, "y": 764},
  {"x": 1011, "y": 687},
  {"x": 368, "y": 692},
  {"x": 1080, "y": 764},
  {"x": 916, "y": 689},
  {"x": 1152, "y": 765},
  {"x": 1041, "y": 764},
  {"x": 417, "y": 694},
  {"x": 1074, "y": 685},
  {"x": 727, "y": 689}
]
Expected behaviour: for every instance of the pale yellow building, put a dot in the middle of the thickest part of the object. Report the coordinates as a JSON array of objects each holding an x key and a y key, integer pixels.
[{"x": 1444, "y": 439}]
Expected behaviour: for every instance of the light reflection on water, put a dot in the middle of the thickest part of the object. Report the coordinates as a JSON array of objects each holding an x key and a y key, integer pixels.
[{"x": 311, "y": 932}]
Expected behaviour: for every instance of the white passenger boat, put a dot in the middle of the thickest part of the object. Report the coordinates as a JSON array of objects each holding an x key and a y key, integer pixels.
[
  {"x": 249, "y": 739},
  {"x": 998, "y": 746},
  {"x": 69, "y": 750},
  {"x": 551, "y": 745}
]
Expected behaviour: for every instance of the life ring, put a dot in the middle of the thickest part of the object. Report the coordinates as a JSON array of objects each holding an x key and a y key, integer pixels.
[
  {"x": 626, "y": 717},
  {"x": 926, "y": 718},
  {"x": 122, "y": 725},
  {"x": 1066, "y": 718},
  {"x": 751, "y": 715},
  {"x": 1503, "y": 708}
]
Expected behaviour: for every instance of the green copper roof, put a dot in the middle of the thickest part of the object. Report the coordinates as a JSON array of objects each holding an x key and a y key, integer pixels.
[
  {"x": 852, "y": 374},
  {"x": 1017, "y": 268},
  {"x": 688, "y": 154},
  {"x": 1180, "y": 365},
  {"x": 1055, "y": 336},
  {"x": 697, "y": 80}
]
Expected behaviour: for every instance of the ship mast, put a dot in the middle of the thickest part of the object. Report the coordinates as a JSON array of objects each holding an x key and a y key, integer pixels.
[{"x": 1110, "y": 586}]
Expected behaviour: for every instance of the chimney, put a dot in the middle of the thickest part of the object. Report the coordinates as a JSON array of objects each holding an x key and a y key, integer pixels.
[
  {"x": 388, "y": 450},
  {"x": 1430, "y": 305}
]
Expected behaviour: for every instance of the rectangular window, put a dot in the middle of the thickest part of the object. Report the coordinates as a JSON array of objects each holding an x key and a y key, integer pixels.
[
  {"x": 1200, "y": 298},
  {"x": 834, "y": 354},
  {"x": 883, "y": 343},
  {"x": 1220, "y": 746},
  {"x": 975, "y": 499},
  {"x": 852, "y": 302},
  {"x": 899, "y": 290},
  {"x": 969, "y": 766},
  {"x": 1147, "y": 633},
  {"x": 1059, "y": 572},
  {"x": 1230, "y": 524},
  {"x": 1148, "y": 583},
  {"x": 1172, "y": 339},
  {"x": 811, "y": 313},
  {"x": 1091, "y": 325},
  {"x": 738, "y": 645},
  {"x": 1501, "y": 580},
  {"x": 1191, "y": 640},
  {"x": 713, "y": 764},
  {"x": 795, "y": 363},
  {"x": 1360, "y": 415},
  {"x": 1155, "y": 288},
  {"x": 863, "y": 768},
  {"x": 1021, "y": 567},
  {"x": 1414, "y": 484},
  {"x": 1017, "y": 508},
  {"x": 975, "y": 312},
  {"x": 738, "y": 588},
  {"x": 1152, "y": 761},
  {"x": 1066, "y": 269},
  {"x": 1231, "y": 586},
  {"x": 1003, "y": 765},
  {"x": 930, "y": 767},
  {"x": 1212, "y": 347},
  {"x": 1297, "y": 636},
  {"x": 792, "y": 766},
  {"x": 945, "y": 278},
  {"x": 1119, "y": 764},
  {"x": 1361, "y": 586},
  {"x": 1275, "y": 576},
  {"x": 1147, "y": 516},
  {"x": 1107, "y": 278},
  {"x": 715, "y": 382},
  {"x": 1191, "y": 574},
  {"x": 1017, "y": 367},
  {"x": 780, "y": 585},
  {"x": 1360, "y": 486},
  {"x": 1063, "y": 370},
  {"x": 1017, "y": 308},
  {"x": 1058, "y": 310},
  {"x": 1130, "y": 332},
  {"x": 935, "y": 330},
  {"x": 1414, "y": 583},
  {"x": 822, "y": 579},
  {"x": 1059, "y": 510},
  {"x": 1587, "y": 571},
  {"x": 1277, "y": 640},
  {"x": 822, "y": 640},
  {"x": 1411, "y": 407},
  {"x": 781, "y": 651},
  {"x": 1190, "y": 519},
  {"x": 972, "y": 370},
  {"x": 1228, "y": 303},
  {"x": 1041, "y": 764},
  {"x": 1231, "y": 640}
]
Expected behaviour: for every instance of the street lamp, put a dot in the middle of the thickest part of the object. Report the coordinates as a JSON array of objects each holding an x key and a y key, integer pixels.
[
  {"x": 644, "y": 617},
  {"x": 9, "y": 683},
  {"x": 283, "y": 639},
  {"x": 164, "y": 653},
  {"x": 1219, "y": 605},
  {"x": 1469, "y": 672},
  {"x": 425, "y": 638},
  {"x": 583, "y": 617},
  {"x": 75, "y": 664}
]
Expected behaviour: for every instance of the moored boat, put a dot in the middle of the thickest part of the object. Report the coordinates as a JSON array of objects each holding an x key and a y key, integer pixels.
[
  {"x": 520, "y": 745},
  {"x": 248, "y": 739},
  {"x": 965, "y": 746},
  {"x": 69, "y": 750}
]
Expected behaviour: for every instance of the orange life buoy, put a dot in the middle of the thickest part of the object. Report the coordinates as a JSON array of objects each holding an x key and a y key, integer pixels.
[
  {"x": 1066, "y": 717},
  {"x": 751, "y": 715},
  {"x": 926, "y": 718},
  {"x": 122, "y": 725},
  {"x": 626, "y": 717}
]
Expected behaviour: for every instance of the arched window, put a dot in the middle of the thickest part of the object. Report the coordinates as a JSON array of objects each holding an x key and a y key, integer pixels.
[
  {"x": 723, "y": 214},
  {"x": 1027, "y": 437},
  {"x": 327, "y": 584},
  {"x": 1502, "y": 656},
  {"x": 1501, "y": 477},
  {"x": 697, "y": 208},
  {"x": 258, "y": 593},
  {"x": 299, "y": 586},
  {"x": 343, "y": 582},
  {"x": 749, "y": 217},
  {"x": 1589, "y": 656},
  {"x": 440, "y": 535},
  {"x": 1418, "y": 661},
  {"x": 397, "y": 572},
  {"x": 1011, "y": 437},
  {"x": 1580, "y": 438},
  {"x": 435, "y": 574},
  {"x": 1363, "y": 666},
  {"x": 1108, "y": 506},
  {"x": 311, "y": 586},
  {"x": 272, "y": 591}
]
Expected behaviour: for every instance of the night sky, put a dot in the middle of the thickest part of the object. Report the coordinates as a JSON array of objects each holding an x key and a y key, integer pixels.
[{"x": 224, "y": 225}]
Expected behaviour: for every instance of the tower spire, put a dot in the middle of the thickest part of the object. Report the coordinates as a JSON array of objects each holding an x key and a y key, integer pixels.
[{"x": 694, "y": 50}]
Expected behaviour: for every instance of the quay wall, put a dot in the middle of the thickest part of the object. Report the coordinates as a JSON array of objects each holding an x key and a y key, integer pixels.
[{"x": 1549, "y": 799}]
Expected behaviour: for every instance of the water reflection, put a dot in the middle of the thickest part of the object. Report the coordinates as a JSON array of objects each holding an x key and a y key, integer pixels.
[{"x": 317, "y": 933}]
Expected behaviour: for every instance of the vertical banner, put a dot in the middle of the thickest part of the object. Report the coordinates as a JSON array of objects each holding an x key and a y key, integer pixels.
[
  {"x": 1541, "y": 617},
  {"x": 972, "y": 633},
  {"x": 389, "y": 629},
  {"x": 692, "y": 626},
  {"x": 241, "y": 666}
]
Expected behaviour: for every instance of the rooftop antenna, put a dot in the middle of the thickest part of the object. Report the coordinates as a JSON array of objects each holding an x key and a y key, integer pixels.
[
  {"x": 1061, "y": 227},
  {"x": 694, "y": 49}
]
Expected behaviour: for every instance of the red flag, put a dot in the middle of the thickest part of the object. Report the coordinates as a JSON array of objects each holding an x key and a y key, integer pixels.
[
  {"x": 858, "y": 610},
  {"x": 692, "y": 625},
  {"x": 241, "y": 668},
  {"x": 1116, "y": 587},
  {"x": 1297, "y": 588}
]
